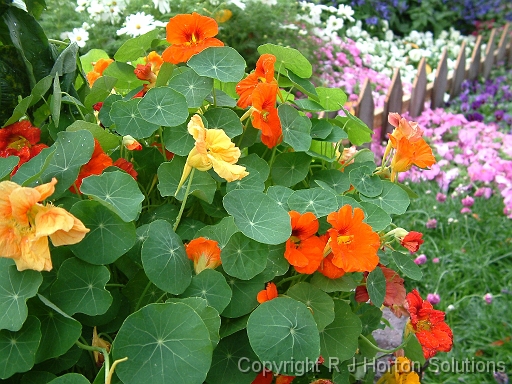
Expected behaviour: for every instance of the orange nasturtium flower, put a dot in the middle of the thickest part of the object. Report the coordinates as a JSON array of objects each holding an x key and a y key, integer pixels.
[
  {"x": 213, "y": 149},
  {"x": 264, "y": 73},
  {"x": 20, "y": 139},
  {"x": 304, "y": 250},
  {"x": 149, "y": 71},
  {"x": 409, "y": 153},
  {"x": 95, "y": 166},
  {"x": 99, "y": 342},
  {"x": 395, "y": 290},
  {"x": 428, "y": 324},
  {"x": 97, "y": 70},
  {"x": 401, "y": 373},
  {"x": 269, "y": 293},
  {"x": 412, "y": 241},
  {"x": 25, "y": 225},
  {"x": 264, "y": 114},
  {"x": 353, "y": 243},
  {"x": 204, "y": 252},
  {"x": 189, "y": 34}
]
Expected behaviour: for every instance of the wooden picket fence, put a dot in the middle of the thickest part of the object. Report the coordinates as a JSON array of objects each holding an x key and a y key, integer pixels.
[{"x": 422, "y": 91}]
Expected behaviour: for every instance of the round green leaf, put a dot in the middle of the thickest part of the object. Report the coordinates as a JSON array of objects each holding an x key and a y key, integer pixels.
[
  {"x": 58, "y": 330},
  {"x": 37, "y": 377},
  {"x": 123, "y": 72},
  {"x": 128, "y": 120},
  {"x": 7, "y": 165},
  {"x": 80, "y": 287},
  {"x": 295, "y": 127},
  {"x": 211, "y": 286},
  {"x": 222, "y": 63},
  {"x": 136, "y": 47},
  {"x": 117, "y": 191},
  {"x": 283, "y": 329},
  {"x": 163, "y": 341},
  {"x": 107, "y": 140},
  {"x": 244, "y": 258},
  {"x": 406, "y": 264},
  {"x": 100, "y": 90},
  {"x": 164, "y": 258},
  {"x": 316, "y": 200},
  {"x": 109, "y": 238},
  {"x": 375, "y": 216},
  {"x": 18, "y": 349},
  {"x": 290, "y": 168},
  {"x": 332, "y": 99},
  {"x": 70, "y": 378},
  {"x": 338, "y": 181},
  {"x": 280, "y": 194},
  {"x": 164, "y": 106},
  {"x": 376, "y": 286},
  {"x": 244, "y": 295},
  {"x": 177, "y": 140},
  {"x": 225, "y": 119},
  {"x": 393, "y": 199},
  {"x": 361, "y": 178},
  {"x": 231, "y": 362},
  {"x": 277, "y": 265},
  {"x": 338, "y": 340},
  {"x": 258, "y": 216},
  {"x": 342, "y": 284},
  {"x": 289, "y": 58},
  {"x": 258, "y": 173},
  {"x": 319, "y": 302},
  {"x": 16, "y": 287},
  {"x": 220, "y": 232},
  {"x": 230, "y": 326},
  {"x": 321, "y": 128},
  {"x": 195, "y": 88}
]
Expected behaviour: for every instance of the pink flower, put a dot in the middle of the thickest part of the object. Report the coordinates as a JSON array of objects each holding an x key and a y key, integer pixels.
[
  {"x": 431, "y": 223},
  {"x": 488, "y": 298},
  {"x": 483, "y": 191},
  {"x": 468, "y": 201},
  {"x": 435, "y": 260},
  {"x": 441, "y": 197},
  {"x": 465, "y": 210},
  {"x": 433, "y": 298},
  {"x": 421, "y": 259}
]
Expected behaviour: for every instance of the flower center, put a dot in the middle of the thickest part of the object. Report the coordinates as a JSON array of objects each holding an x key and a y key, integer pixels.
[
  {"x": 345, "y": 239},
  {"x": 18, "y": 143},
  {"x": 423, "y": 325}
]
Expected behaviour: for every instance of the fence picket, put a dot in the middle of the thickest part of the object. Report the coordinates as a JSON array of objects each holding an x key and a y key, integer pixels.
[
  {"x": 502, "y": 45},
  {"x": 419, "y": 90},
  {"x": 392, "y": 102},
  {"x": 489, "y": 55},
  {"x": 459, "y": 73},
  {"x": 365, "y": 109},
  {"x": 440, "y": 82},
  {"x": 474, "y": 68}
]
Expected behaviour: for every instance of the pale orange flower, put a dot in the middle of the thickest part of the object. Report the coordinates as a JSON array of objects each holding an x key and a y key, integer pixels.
[
  {"x": 99, "y": 342},
  {"x": 404, "y": 128},
  {"x": 189, "y": 34},
  {"x": 401, "y": 373},
  {"x": 213, "y": 149},
  {"x": 25, "y": 225},
  {"x": 97, "y": 70},
  {"x": 204, "y": 252},
  {"x": 131, "y": 144}
]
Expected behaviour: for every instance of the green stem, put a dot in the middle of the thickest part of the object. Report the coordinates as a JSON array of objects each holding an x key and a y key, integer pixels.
[
  {"x": 57, "y": 42},
  {"x": 139, "y": 302},
  {"x": 115, "y": 285},
  {"x": 214, "y": 96},
  {"x": 76, "y": 105},
  {"x": 103, "y": 351},
  {"x": 161, "y": 137},
  {"x": 370, "y": 344},
  {"x": 182, "y": 208},
  {"x": 287, "y": 279}
]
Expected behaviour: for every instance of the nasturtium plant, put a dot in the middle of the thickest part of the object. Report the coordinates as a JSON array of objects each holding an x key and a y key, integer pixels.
[{"x": 170, "y": 215}]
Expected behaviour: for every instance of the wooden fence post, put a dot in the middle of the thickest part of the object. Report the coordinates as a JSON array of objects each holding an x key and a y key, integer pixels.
[
  {"x": 459, "y": 73},
  {"x": 419, "y": 90},
  {"x": 440, "y": 82},
  {"x": 489, "y": 55},
  {"x": 365, "y": 109},
  {"x": 392, "y": 103},
  {"x": 474, "y": 68},
  {"x": 502, "y": 46}
]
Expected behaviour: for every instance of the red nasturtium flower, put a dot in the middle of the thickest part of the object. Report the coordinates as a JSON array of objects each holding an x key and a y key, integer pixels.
[
  {"x": 126, "y": 166},
  {"x": 269, "y": 293},
  {"x": 265, "y": 116},
  {"x": 95, "y": 166},
  {"x": 97, "y": 70},
  {"x": 20, "y": 139},
  {"x": 353, "y": 243},
  {"x": 395, "y": 290},
  {"x": 264, "y": 73},
  {"x": 412, "y": 241},
  {"x": 428, "y": 324},
  {"x": 204, "y": 252},
  {"x": 189, "y": 34},
  {"x": 304, "y": 250}
]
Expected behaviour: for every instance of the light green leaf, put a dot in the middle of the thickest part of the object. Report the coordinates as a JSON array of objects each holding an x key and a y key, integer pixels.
[
  {"x": 283, "y": 329},
  {"x": 100, "y": 90},
  {"x": 117, "y": 191},
  {"x": 211, "y": 286},
  {"x": 163, "y": 341},
  {"x": 195, "y": 88},
  {"x": 376, "y": 286},
  {"x": 288, "y": 58},
  {"x": 128, "y": 120},
  {"x": 342, "y": 284},
  {"x": 366, "y": 183},
  {"x": 406, "y": 264},
  {"x": 319, "y": 302},
  {"x": 109, "y": 238},
  {"x": 80, "y": 287},
  {"x": 164, "y": 106},
  {"x": 393, "y": 199},
  {"x": 295, "y": 127},
  {"x": 290, "y": 168},
  {"x": 164, "y": 258},
  {"x": 258, "y": 216},
  {"x": 225, "y": 119},
  {"x": 126, "y": 79},
  {"x": 316, "y": 200},
  {"x": 358, "y": 132},
  {"x": 220, "y": 232},
  {"x": 243, "y": 258},
  {"x": 303, "y": 85},
  {"x": 16, "y": 287},
  {"x": 332, "y": 99},
  {"x": 108, "y": 141},
  {"x": 136, "y": 47},
  {"x": 222, "y": 63}
]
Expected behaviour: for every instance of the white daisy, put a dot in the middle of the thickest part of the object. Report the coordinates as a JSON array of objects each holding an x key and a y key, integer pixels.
[
  {"x": 163, "y": 6},
  {"x": 79, "y": 36},
  {"x": 139, "y": 24}
]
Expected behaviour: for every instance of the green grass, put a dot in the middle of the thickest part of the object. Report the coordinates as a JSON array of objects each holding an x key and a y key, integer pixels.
[{"x": 475, "y": 258}]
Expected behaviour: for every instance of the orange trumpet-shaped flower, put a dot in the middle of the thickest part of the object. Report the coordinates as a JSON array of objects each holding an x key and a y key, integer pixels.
[
  {"x": 265, "y": 116},
  {"x": 25, "y": 225},
  {"x": 328, "y": 269},
  {"x": 189, "y": 34},
  {"x": 404, "y": 128},
  {"x": 353, "y": 243},
  {"x": 408, "y": 153},
  {"x": 213, "y": 149},
  {"x": 400, "y": 373},
  {"x": 412, "y": 241},
  {"x": 204, "y": 252},
  {"x": 429, "y": 326},
  {"x": 149, "y": 71},
  {"x": 269, "y": 293},
  {"x": 304, "y": 250},
  {"x": 97, "y": 70},
  {"x": 95, "y": 166},
  {"x": 264, "y": 73}
]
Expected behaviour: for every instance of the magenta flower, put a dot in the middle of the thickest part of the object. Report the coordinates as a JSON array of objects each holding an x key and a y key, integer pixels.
[
  {"x": 483, "y": 191},
  {"x": 421, "y": 259},
  {"x": 435, "y": 260},
  {"x": 488, "y": 298},
  {"x": 465, "y": 210},
  {"x": 431, "y": 224},
  {"x": 441, "y": 197},
  {"x": 468, "y": 201},
  {"x": 433, "y": 298}
]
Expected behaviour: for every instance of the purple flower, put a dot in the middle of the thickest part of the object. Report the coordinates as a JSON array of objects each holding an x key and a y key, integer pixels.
[
  {"x": 475, "y": 117},
  {"x": 433, "y": 298},
  {"x": 488, "y": 298},
  {"x": 498, "y": 115},
  {"x": 421, "y": 259},
  {"x": 468, "y": 201},
  {"x": 500, "y": 377},
  {"x": 431, "y": 224},
  {"x": 441, "y": 197}
]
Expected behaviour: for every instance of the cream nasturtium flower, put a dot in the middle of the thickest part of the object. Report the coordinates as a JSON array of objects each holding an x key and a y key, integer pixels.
[
  {"x": 25, "y": 225},
  {"x": 213, "y": 149}
]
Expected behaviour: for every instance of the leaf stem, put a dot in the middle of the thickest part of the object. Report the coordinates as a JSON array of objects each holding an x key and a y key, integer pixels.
[
  {"x": 103, "y": 351},
  {"x": 386, "y": 351},
  {"x": 139, "y": 302},
  {"x": 182, "y": 208}
]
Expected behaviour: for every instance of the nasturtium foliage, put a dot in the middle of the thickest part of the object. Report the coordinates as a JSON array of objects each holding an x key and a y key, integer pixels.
[
  {"x": 243, "y": 257},
  {"x": 211, "y": 286},
  {"x": 319, "y": 302}
]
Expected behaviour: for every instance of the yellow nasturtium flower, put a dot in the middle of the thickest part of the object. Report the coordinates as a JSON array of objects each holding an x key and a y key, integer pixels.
[
  {"x": 25, "y": 225},
  {"x": 213, "y": 149}
]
